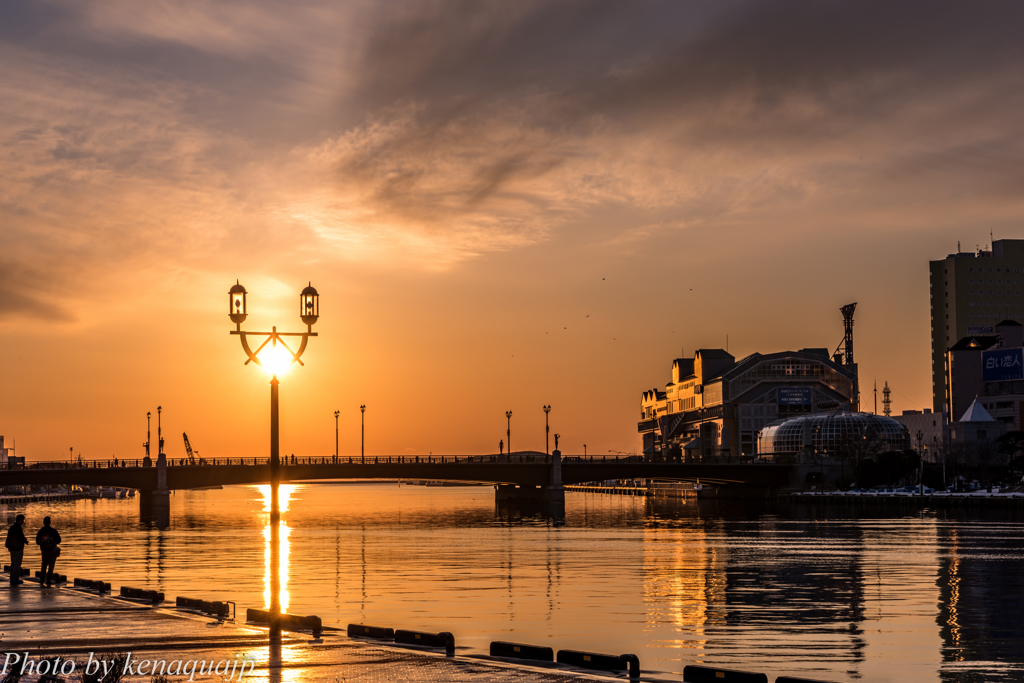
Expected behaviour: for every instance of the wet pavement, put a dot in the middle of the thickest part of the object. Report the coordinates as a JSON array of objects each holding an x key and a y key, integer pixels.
[{"x": 74, "y": 625}]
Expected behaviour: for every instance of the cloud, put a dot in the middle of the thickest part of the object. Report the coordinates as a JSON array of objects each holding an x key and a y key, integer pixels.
[{"x": 205, "y": 134}]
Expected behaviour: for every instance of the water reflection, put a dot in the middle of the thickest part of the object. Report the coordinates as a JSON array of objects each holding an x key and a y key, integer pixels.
[
  {"x": 275, "y": 564},
  {"x": 834, "y": 595}
]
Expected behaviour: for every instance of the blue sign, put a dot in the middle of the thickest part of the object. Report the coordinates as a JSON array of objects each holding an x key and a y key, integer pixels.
[
  {"x": 1001, "y": 365},
  {"x": 794, "y": 396}
]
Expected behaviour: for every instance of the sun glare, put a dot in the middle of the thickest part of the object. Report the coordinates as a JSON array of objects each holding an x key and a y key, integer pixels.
[{"x": 276, "y": 359}]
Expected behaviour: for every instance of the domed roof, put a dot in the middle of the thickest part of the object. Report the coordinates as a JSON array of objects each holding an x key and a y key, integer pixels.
[
  {"x": 830, "y": 431},
  {"x": 310, "y": 291},
  {"x": 236, "y": 288}
]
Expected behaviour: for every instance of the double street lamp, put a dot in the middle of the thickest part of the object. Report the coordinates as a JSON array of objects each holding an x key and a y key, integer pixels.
[{"x": 278, "y": 357}]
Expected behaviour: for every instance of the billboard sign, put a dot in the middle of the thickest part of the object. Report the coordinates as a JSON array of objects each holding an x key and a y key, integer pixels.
[
  {"x": 1001, "y": 365},
  {"x": 794, "y": 396}
]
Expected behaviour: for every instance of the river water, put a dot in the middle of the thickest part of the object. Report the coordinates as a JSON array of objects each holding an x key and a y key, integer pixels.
[{"x": 779, "y": 589}]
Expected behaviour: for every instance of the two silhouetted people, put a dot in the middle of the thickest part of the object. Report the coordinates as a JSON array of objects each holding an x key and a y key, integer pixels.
[
  {"x": 16, "y": 543},
  {"x": 48, "y": 539}
]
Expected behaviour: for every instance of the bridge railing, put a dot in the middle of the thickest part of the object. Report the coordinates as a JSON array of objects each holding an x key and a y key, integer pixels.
[{"x": 293, "y": 460}]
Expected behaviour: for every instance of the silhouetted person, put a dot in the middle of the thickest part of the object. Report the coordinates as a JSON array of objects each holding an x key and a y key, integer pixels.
[
  {"x": 16, "y": 543},
  {"x": 48, "y": 539}
]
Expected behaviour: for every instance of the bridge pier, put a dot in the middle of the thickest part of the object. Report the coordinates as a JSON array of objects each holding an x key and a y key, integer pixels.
[{"x": 157, "y": 504}]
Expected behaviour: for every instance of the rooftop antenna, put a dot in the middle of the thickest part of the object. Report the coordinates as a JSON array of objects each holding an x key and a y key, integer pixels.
[{"x": 886, "y": 401}]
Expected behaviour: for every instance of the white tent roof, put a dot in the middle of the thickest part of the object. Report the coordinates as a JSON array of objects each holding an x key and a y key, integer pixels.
[{"x": 976, "y": 413}]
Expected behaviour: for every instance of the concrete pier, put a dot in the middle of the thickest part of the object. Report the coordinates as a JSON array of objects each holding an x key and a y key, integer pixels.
[{"x": 71, "y": 624}]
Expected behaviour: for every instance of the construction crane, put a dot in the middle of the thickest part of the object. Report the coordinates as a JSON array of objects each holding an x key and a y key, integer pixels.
[{"x": 192, "y": 455}]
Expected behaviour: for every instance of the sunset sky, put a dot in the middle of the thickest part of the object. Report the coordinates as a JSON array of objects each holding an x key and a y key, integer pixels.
[{"x": 502, "y": 204}]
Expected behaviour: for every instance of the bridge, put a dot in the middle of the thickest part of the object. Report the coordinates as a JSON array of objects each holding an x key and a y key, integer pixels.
[{"x": 516, "y": 476}]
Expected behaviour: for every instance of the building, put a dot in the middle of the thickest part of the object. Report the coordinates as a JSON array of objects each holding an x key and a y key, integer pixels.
[
  {"x": 830, "y": 433},
  {"x": 989, "y": 367},
  {"x": 934, "y": 429},
  {"x": 3, "y": 453},
  {"x": 970, "y": 292},
  {"x": 714, "y": 406},
  {"x": 976, "y": 428}
]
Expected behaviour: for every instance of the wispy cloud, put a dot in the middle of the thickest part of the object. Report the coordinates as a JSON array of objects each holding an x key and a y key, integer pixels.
[{"x": 430, "y": 133}]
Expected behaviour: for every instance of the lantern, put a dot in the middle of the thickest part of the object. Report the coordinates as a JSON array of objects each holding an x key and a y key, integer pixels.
[
  {"x": 236, "y": 303},
  {"x": 309, "y": 305}
]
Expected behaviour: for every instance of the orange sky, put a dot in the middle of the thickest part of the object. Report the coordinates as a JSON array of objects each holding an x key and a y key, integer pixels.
[{"x": 501, "y": 205}]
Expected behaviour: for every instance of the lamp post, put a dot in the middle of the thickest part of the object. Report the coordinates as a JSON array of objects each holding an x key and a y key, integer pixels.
[
  {"x": 309, "y": 311},
  {"x": 336, "y": 414},
  {"x": 584, "y": 450},
  {"x": 547, "y": 409},
  {"x": 920, "y": 455},
  {"x": 362, "y": 430},
  {"x": 508, "y": 430}
]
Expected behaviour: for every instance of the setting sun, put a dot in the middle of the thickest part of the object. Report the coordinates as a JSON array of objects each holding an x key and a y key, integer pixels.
[{"x": 276, "y": 359}]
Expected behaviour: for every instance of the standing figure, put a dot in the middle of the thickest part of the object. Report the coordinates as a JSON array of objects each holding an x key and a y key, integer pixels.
[
  {"x": 16, "y": 543},
  {"x": 48, "y": 539}
]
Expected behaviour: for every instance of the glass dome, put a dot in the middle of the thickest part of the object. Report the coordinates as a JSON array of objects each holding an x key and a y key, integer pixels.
[{"x": 828, "y": 432}]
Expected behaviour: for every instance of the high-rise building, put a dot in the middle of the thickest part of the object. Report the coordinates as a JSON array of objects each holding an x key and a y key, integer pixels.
[{"x": 970, "y": 293}]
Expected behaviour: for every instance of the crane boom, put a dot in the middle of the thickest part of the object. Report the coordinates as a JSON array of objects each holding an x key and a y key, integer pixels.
[{"x": 188, "y": 450}]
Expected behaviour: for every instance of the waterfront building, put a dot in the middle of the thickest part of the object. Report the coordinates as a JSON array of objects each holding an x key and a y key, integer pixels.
[
  {"x": 989, "y": 367},
  {"x": 833, "y": 433},
  {"x": 714, "y": 406},
  {"x": 934, "y": 429},
  {"x": 3, "y": 453},
  {"x": 969, "y": 293},
  {"x": 976, "y": 427}
]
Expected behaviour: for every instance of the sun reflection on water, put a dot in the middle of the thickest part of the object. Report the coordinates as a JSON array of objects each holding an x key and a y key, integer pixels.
[{"x": 283, "y": 545}]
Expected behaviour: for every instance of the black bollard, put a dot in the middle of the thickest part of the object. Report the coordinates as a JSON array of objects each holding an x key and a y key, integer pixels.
[
  {"x": 707, "y": 674},
  {"x": 501, "y": 648},
  {"x": 364, "y": 631}
]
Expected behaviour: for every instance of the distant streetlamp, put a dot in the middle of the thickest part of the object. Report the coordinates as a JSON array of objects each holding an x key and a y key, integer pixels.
[
  {"x": 336, "y": 414},
  {"x": 547, "y": 409},
  {"x": 508, "y": 430},
  {"x": 277, "y": 360},
  {"x": 584, "y": 450},
  {"x": 920, "y": 454},
  {"x": 362, "y": 429}
]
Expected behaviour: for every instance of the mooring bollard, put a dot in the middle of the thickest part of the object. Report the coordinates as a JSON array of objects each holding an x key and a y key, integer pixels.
[
  {"x": 57, "y": 578},
  {"x": 707, "y": 674},
  {"x": 442, "y": 639},
  {"x": 289, "y": 622},
  {"x": 364, "y": 631},
  {"x": 151, "y": 596},
  {"x": 24, "y": 570},
  {"x": 98, "y": 586},
  {"x": 217, "y": 608},
  {"x": 500, "y": 648},
  {"x": 597, "y": 660}
]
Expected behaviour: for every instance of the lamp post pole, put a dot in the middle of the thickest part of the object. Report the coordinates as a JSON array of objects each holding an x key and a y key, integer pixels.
[
  {"x": 336, "y": 414},
  {"x": 547, "y": 429},
  {"x": 920, "y": 455},
  {"x": 508, "y": 430},
  {"x": 309, "y": 311},
  {"x": 362, "y": 432}
]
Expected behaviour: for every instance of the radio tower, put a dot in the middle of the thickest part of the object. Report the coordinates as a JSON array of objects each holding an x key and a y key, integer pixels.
[{"x": 886, "y": 401}]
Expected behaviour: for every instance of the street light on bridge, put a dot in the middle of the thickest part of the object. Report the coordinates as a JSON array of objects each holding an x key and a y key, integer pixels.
[
  {"x": 547, "y": 429},
  {"x": 362, "y": 434},
  {"x": 336, "y": 414},
  {"x": 279, "y": 356},
  {"x": 508, "y": 430}
]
